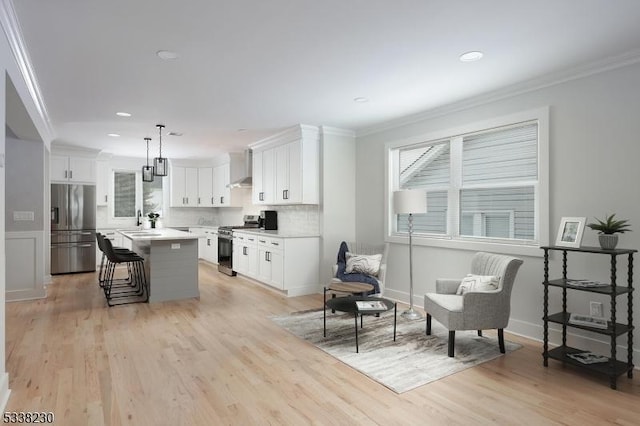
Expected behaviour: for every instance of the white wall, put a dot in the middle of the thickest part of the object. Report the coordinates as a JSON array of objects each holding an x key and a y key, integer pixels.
[
  {"x": 9, "y": 69},
  {"x": 25, "y": 171},
  {"x": 594, "y": 150},
  {"x": 337, "y": 200}
]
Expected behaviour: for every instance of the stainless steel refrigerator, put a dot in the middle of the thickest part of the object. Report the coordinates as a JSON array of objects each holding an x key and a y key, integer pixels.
[{"x": 73, "y": 228}]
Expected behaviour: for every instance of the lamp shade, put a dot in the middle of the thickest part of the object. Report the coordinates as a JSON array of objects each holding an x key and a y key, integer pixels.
[{"x": 410, "y": 201}]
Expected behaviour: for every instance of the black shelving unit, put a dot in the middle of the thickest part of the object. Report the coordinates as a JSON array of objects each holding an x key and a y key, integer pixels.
[{"x": 612, "y": 368}]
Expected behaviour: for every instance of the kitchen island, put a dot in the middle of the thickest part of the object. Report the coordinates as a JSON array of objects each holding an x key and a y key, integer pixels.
[{"x": 171, "y": 262}]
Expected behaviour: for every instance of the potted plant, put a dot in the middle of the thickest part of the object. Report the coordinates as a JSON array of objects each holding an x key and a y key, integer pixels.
[
  {"x": 608, "y": 230},
  {"x": 153, "y": 217}
]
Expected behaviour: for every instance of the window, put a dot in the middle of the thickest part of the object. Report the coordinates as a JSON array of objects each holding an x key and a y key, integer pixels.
[
  {"x": 124, "y": 194},
  {"x": 130, "y": 194},
  {"x": 483, "y": 184}
]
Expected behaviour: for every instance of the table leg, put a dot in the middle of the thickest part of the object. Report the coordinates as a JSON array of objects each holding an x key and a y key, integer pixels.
[
  {"x": 395, "y": 311},
  {"x": 361, "y": 320},
  {"x": 356, "y": 322},
  {"x": 324, "y": 306}
]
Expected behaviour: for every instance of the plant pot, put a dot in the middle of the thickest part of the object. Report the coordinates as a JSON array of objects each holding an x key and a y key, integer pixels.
[
  {"x": 608, "y": 241},
  {"x": 153, "y": 224}
]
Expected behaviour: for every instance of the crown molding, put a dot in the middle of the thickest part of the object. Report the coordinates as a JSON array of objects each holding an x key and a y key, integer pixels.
[
  {"x": 13, "y": 32},
  {"x": 336, "y": 131},
  {"x": 548, "y": 80}
]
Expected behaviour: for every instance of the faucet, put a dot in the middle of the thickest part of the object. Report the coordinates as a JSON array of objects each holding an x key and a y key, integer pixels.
[{"x": 139, "y": 222}]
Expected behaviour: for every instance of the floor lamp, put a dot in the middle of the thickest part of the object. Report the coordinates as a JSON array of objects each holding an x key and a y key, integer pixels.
[{"x": 410, "y": 202}]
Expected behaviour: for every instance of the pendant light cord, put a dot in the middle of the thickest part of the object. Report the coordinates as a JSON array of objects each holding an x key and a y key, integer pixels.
[
  {"x": 147, "y": 139},
  {"x": 160, "y": 126}
]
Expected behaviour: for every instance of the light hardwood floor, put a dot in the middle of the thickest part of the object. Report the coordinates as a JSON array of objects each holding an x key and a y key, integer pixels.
[{"x": 220, "y": 360}]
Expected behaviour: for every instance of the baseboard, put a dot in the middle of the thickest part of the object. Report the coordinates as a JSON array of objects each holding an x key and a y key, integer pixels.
[
  {"x": 29, "y": 294},
  {"x": 5, "y": 392}
]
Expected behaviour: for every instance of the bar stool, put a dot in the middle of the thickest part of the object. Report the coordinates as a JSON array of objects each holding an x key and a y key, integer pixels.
[
  {"x": 137, "y": 290},
  {"x": 101, "y": 274}
]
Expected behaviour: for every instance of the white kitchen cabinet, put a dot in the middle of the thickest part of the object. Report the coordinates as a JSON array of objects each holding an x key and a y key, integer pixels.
[
  {"x": 102, "y": 182},
  {"x": 290, "y": 167},
  {"x": 183, "y": 186},
  {"x": 205, "y": 187},
  {"x": 211, "y": 246},
  {"x": 263, "y": 176},
  {"x": 245, "y": 259},
  {"x": 66, "y": 169},
  {"x": 271, "y": 262},
  {"x": 289, "y": 264},
  {"x": 221, "y": 192}
]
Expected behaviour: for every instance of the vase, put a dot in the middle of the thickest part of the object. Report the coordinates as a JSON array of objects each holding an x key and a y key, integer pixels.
[
  {"x": 608, "y": 241},
  {"x": 153, "y": 224}
]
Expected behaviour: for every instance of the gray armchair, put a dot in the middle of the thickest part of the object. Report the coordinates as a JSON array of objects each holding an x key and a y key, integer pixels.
[{"x": 475, "y": 310}]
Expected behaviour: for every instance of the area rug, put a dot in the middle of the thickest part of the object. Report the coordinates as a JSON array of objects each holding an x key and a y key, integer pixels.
[{"x": 413, "y": 360}]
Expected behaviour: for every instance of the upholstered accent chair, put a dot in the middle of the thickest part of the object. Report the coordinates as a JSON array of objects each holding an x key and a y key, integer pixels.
[
  {"x": 368, "y": 249},
  {"x": 475, "y": 309}
]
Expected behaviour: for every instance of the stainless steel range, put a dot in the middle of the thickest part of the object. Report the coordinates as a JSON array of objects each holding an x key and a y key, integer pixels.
[{"x": 225, "y": 243}]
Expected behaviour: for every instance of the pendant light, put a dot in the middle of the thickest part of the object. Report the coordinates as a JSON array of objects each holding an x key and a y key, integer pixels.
[
  {"x": 160, "y": 163},
  {"x": 147, "y": 171}
]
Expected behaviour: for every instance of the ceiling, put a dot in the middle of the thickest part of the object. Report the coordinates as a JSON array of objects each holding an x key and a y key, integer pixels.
[{"x": 248, "y": 68}]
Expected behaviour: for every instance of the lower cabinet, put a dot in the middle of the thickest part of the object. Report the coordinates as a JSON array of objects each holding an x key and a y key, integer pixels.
[
  {"x": 210, "y": 252},
  {"x": 245, "y": 254},
  {"x": 287, "y": 264},
  {"x": 207, "y": 243}
]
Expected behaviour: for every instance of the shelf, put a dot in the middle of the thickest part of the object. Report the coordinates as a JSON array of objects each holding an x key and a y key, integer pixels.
[
  {"x": 591, "y": 250},
  {"x": 611, "y": 368},
  {"x": 563, "y": 318},
  {"x": 601, "y": 290}
]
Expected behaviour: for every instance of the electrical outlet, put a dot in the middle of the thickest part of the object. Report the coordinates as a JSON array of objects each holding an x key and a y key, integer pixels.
[{"x": 596, "y": 309}]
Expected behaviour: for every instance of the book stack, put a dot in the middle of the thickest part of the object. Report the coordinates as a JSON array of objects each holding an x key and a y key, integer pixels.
[
  {"x": 586, "y": 283},
  {"x": 588, "y": 357},
  {"x": 371, "y": 305}
]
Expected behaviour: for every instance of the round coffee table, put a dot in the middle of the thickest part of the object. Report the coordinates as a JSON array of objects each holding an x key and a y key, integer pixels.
[{"x": 361, "y": 305}]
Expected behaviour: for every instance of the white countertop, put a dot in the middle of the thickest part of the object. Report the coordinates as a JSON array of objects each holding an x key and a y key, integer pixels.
[
  {"x": 156, "y": 234},
  {"x": 279, "y": 234}
]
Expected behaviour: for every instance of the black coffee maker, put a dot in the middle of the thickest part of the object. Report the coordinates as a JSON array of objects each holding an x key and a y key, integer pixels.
[{"x": 269, "y": 220}]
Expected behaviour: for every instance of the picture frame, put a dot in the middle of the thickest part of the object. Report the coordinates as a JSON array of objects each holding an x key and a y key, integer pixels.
[{"x": 570, "y": 232}]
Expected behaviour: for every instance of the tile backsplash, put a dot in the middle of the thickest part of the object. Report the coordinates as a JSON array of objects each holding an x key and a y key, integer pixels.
[{"x": 298, "y": 219}]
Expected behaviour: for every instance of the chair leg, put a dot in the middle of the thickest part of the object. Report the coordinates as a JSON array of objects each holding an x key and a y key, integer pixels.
[
  {"x": 452, "y": 340},
  {"x": 501, "y": 339},
  {"x": 428, "y": 324},
  {"x": 480, "y": 333}
]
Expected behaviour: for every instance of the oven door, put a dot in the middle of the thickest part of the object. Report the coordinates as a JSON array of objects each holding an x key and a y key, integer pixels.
[{"x": 225, "y": 255}]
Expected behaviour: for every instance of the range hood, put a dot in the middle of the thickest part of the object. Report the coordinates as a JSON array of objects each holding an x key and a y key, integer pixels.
[{"x": 246, "y": 181}]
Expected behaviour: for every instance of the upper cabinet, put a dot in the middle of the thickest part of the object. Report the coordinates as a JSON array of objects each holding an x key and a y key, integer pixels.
[
  {"x": 228, "y": 168},
  {"x": 286, "y": 167},
  {"x": 66, "y": 169},
  {"x": 206, "y": 186},
  {"x": 102, "y": 182},
  {"x": 184, "y": 186}
]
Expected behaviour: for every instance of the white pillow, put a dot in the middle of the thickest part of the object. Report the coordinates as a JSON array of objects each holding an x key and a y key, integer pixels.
[
  {"x": 480, "y": 283},
  {"x": 363, "y": 264}
]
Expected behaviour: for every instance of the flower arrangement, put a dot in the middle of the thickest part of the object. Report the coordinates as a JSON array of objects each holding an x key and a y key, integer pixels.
[{"x": 153, "y": 217}]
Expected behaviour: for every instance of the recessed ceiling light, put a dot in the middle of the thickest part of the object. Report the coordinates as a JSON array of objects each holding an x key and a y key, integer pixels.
[
  {"x": 242, "y": 130},
  {"x": 113, "y": 135},
  {"x": 471, "y": 56},
  {"x": 167, "y": 55},
  {"x": 123, "y": 114},
  {"x": 360, "y": 99}
]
